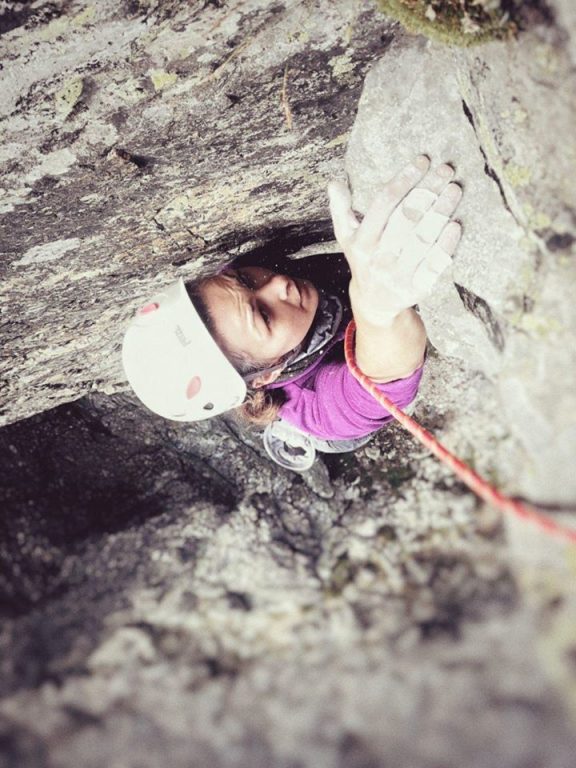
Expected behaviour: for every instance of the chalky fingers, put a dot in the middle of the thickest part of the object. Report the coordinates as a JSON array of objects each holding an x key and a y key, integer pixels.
[
  {"x": 438, "y": 259},
  {"x": 386, "y": 201},
  {"x": 343, "y": 218},
  {"x": 429, "y": 229},
  {"x": 422, "y": 201},
  {"x": 433, "y": 222},
  {"x": 436, "y": 180},
  {"x": 405, "y": 217}
]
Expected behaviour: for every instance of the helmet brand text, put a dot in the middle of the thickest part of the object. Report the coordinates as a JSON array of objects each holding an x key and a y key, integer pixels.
[{"x": 181, "y": 336}]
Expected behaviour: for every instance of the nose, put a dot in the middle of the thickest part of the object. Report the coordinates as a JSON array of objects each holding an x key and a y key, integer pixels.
[{"x": 278, "y": 287}]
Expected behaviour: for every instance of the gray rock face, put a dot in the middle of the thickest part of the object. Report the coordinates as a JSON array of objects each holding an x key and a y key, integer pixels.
[
  {"x": 169, "y": 597},
  {"x": 143, "y": 141},
  {"x": 507, "y": 308}
]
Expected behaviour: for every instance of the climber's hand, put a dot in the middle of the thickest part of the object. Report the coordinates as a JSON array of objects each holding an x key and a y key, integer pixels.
[{"x": 403, "y": 243}]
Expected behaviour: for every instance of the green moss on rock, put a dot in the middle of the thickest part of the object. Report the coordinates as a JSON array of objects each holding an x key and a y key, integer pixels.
[{"x": 455, "y": 22}]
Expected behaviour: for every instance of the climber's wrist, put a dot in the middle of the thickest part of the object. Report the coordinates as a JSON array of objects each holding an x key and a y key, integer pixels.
[{"x": 379, "y": 315}]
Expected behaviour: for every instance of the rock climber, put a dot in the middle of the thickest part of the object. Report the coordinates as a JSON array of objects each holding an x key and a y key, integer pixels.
[{"x": 271, "y": 345}]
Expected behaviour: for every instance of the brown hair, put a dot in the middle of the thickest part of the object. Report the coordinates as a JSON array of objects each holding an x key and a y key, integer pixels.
[{"x": 260, "y": 406}]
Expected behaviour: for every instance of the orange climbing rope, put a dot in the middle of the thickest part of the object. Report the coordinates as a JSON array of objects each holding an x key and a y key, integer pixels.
[{"x": 476, "y": 483}]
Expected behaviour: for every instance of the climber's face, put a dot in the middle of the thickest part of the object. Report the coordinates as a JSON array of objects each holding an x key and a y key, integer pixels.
[{"x": 258, "y": 313}]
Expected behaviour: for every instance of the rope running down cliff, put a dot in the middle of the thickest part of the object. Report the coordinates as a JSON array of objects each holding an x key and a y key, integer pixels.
[{"x": 476, "y": 483}]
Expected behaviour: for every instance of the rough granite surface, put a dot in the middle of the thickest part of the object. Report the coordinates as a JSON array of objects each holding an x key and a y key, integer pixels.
[
  {"x": 142, "y": 141},
  {"x": 168, "y": 596}
]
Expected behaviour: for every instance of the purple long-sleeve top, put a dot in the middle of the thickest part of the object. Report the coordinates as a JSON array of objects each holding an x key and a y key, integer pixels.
[{"x": 326, "y": 400}]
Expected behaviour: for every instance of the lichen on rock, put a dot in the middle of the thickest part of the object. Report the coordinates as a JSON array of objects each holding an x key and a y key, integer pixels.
[{"x": 456, "y": 22}]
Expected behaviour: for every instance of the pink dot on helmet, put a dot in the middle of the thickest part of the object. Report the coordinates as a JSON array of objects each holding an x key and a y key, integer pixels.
[
  {"x": 194, "y": 386},
  {"x": 147, "y": 308}
]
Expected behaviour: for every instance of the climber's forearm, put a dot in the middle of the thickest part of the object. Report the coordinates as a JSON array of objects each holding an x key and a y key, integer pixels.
[
  {"x": 390, "y": 350},
  {"x": 396, "y": 254}
]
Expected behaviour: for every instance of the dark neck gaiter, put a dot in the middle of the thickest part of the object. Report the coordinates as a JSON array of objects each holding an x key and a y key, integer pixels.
[{"x": 331, "y": 317}]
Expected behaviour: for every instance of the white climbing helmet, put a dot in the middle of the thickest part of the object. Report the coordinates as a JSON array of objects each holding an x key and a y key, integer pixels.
[{"x": 174, "y": 365}]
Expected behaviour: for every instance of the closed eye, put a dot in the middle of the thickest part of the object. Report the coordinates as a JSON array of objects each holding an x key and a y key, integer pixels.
[
  {"x": 244, "y": 280},
  {"x": 265, "y": 316}
]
